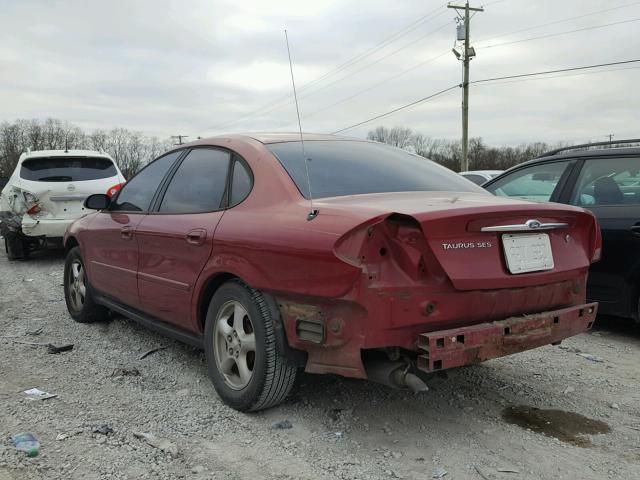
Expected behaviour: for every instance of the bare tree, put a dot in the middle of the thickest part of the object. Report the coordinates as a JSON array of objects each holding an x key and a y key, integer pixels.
[{"x": 130, "y": 150}]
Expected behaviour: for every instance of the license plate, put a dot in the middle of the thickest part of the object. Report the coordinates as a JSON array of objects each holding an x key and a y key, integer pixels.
[{"x": 528, "y": 252}]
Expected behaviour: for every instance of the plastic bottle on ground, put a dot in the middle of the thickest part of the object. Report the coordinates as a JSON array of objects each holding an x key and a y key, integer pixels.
[{"x": 27, "y": 443}]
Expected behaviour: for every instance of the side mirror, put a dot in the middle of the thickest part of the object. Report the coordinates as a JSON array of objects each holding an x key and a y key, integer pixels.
[{"x": 97, "y": 201}]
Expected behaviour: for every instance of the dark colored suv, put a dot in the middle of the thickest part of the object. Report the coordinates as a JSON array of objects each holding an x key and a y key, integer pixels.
[{"x": 605, "y": 180}]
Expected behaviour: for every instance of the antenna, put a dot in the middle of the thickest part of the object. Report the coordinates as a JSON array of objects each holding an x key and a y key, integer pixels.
[{"x": 312, "y": 212}]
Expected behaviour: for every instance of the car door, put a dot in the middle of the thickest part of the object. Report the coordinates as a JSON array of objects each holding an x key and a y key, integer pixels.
[
  {"x": 540, "y": 182},
  {"x": 610, "y": 188},
  {"x": 110, "y": 246},
  {"x": 176, "y": 239}
]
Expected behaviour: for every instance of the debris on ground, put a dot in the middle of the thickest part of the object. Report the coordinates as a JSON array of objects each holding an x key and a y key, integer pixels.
[
  {"x": 439, "y": 472},
  {"x": 158, "y": 442},
  {"x": 37, "y": 394},
  {"x": 61, "y": 436},
  {"x": 282, "y": 425},
  {"x": 590, "y": 357},
  {"x": 51, "y": 348},
  {"x": 104, "y": 429},
  {"x": 27, "y": 443},
  {"x": 507, "y": 470},
  {"x": 153, "y": 350},
  {"x": 481, "y": 473},
  {"x": 34, "y": 333},
  {"x": 63, "y": 348},
  {"x": 615, "y": 406},
  {"x": 126, "y": 372}
]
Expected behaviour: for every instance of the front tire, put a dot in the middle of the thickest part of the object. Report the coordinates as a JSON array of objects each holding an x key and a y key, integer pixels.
[
  {"x": 77, "y": 291},
  {"x": 240, "y": 346}
]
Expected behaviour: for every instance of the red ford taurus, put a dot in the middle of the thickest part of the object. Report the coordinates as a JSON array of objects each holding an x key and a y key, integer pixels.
[{"x": 333, "y": 256}]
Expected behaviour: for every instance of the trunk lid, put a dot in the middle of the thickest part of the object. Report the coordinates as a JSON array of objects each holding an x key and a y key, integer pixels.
[{"x": 478, "y": 240}]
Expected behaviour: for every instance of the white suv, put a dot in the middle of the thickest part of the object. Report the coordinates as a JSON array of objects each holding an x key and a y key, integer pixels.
[{"x": 46, "y": 193}]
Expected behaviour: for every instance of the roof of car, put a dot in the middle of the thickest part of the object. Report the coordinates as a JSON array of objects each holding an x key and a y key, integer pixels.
[
  {"x": 282, "y": 137},
  {"x": 482, "y": 172},
  {"x": 598, "y": 152},
  {"x": 70, "y": 153}
]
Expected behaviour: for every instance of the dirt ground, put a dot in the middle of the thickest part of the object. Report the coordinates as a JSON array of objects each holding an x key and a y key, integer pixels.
[{"x": 472, "y": 425}]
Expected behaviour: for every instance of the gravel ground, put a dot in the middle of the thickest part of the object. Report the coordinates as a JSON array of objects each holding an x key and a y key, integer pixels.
[{"x": 340, "y": 428}]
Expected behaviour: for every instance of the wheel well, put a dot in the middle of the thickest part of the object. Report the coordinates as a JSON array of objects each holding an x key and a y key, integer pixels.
[
  {"x": 209, "y": 291},
  {"x": 71, "y": 242}
]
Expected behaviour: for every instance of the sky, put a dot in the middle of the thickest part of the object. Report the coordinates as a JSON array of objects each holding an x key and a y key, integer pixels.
[{"x": 203, "y": 68}]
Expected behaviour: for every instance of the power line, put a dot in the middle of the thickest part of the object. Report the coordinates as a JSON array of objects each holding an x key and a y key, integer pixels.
[
  {"x": 486, "y": 39},
  {"x": 482, "y": 40},
  {"x": 376, "y": 85},
  {"x": 375, "y": 62},
  {"x": 547, "y": 72},
  {"x": 274, "y": 106},
  {"x": 424, "y": 99},
  {"x": 561, "y": 33},
  {"x": 401, "y": 33},
  {"x": 484, "y": 80},
  {"x": 388, "y": 40},
  {"x": 559, "y": 76}
]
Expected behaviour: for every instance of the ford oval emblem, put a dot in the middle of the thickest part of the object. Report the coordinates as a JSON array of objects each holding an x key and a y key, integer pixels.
[
  {"x": 71, "y": 187},
  {"x": 533, "y": 224}
]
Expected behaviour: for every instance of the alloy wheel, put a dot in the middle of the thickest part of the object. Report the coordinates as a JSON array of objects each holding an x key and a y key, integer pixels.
[
  {"x": 77, "y": 285},
  {"x": 234, "y": 345}
]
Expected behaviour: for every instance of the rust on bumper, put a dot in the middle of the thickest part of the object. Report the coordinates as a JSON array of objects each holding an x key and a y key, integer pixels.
[{"x": 474, "y": 344}]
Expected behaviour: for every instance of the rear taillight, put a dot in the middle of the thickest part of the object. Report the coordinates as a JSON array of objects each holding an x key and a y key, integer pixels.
[
  {"x": 34, "y": 209},
  {"x": 113, "y": 190}
]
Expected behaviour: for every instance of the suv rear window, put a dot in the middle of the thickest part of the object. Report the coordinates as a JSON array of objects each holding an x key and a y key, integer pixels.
[
  {"x": 67, "y": 169},
  {"x": 345, "y": 167}
]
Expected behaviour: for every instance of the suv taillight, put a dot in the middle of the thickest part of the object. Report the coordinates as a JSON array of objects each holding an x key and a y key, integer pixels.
[{"x": 113, "y": 190}]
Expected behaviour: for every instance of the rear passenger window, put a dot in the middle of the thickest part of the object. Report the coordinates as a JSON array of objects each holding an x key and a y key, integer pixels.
[
  {"x": 138, "y": 192},
  {"x": 608, "y": 181},
  {"x": 240, "y": 183},
  {"x": 536, "y": 182},
  {"x": 199, "y": 184}
]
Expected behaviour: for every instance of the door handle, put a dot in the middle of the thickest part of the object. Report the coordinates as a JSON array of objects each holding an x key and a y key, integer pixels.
[
  {"x": 126, "y": 233},
  {"x": 635, "y": 229},
  {"x": 197, "y": 236}
]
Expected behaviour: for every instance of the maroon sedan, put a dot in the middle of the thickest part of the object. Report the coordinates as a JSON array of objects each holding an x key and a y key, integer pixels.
[{"x": 394, "y": 268}]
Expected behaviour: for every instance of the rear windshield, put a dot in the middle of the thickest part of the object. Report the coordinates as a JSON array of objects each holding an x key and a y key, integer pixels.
[
  {"x": 67, "y": 169},
  {"x": 346, "y": 167}
]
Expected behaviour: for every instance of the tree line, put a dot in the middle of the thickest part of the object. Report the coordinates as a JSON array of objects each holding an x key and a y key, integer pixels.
[
  {"x": 131, "y": 150},
  {"x": 449, "y": 152}
]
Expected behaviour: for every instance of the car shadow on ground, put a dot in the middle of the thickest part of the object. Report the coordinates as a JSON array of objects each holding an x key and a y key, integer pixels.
[
  {"x": 616, "y": 325},
  {"x": 43, "y": 256}
]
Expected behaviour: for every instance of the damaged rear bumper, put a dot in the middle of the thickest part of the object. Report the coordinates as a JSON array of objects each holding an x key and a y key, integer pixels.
[{"x": 456, "y": 347}]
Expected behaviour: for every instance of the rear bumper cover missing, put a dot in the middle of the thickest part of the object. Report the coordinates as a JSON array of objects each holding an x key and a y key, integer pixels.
[{"x": 474, "y": 344}]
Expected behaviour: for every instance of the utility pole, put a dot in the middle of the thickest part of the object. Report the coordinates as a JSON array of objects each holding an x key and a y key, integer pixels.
[
  {"x": 179, "y": 138},
  {"x": 610, "y": 137},
  {"x": 466, "y": 57}
]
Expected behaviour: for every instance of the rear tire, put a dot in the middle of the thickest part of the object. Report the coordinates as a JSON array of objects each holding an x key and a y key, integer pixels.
[
  {"x": 77, "y": 291},
  {"x": 15, "y": 246},
  {"x": 240, "y": 346}
]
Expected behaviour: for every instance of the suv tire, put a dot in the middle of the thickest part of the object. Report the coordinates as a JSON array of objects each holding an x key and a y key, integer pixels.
[
  {"x": 77, "y": 291},
  {"x": 16, "y": 247},
  {"x": 240, "y": 346}
]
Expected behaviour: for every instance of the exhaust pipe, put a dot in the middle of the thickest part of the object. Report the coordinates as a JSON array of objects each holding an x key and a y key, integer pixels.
[{"x": 395, "y": 375}]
